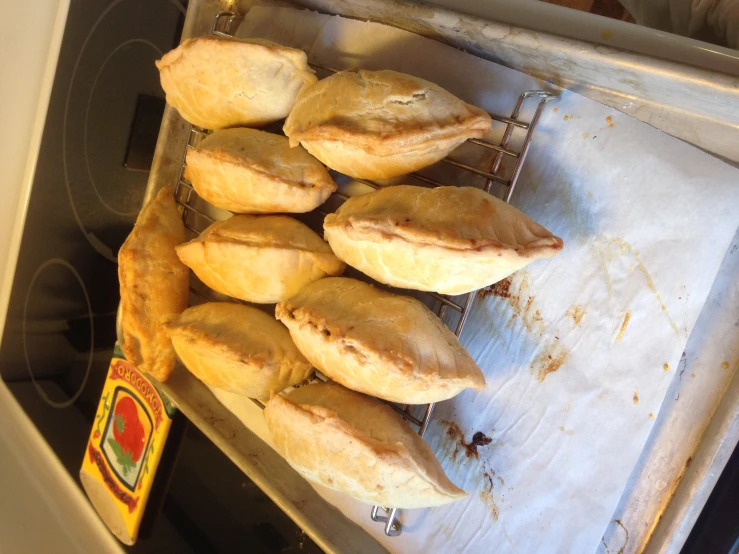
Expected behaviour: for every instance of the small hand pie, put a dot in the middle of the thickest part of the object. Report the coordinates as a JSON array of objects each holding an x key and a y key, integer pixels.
[
  {"x": 357, "y": 445},
  {"x": 390, "y": 346},
  {"x": 154, "y": 285},
  {"x": 381, "y": 124},
  {"x": 238, "y": 349},
  {"x": 262, "y": 259},
  {"x": 225, "y": 82},
  {"x": 250, "y": 171},
  {"x": 450, "y": 240}
]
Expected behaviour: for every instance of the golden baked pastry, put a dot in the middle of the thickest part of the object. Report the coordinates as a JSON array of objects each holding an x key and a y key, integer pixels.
[
  {"x": 259, "y": 258},
  {"x": 154, "y": 285},
  {"x": 357, "y": 445},
  {"x": 381, "y": 124},
  {"x": 450, "y": 240},
  {"x": 379, "y": 343},
  {"x": 218, "y": 82},
  {"x": 238, "y": 348},
  {"x": 250, "y": 171}
]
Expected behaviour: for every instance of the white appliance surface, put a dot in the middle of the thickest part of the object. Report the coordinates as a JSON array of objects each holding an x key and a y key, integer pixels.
[
  {"x": 42, "y": 509},
  {"x": 29, "y": 48}
]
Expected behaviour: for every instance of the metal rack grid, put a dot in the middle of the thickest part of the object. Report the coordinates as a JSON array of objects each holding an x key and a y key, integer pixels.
[{"x": 196, "y": 219}]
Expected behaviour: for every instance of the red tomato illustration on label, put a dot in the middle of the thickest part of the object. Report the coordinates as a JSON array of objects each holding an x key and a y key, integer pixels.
[{"x": 129, "y": 436}]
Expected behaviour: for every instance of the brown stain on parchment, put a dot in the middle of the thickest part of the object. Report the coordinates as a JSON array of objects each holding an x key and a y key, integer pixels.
[
  {"x": 605, "y": 255},
  {"x": 609, "y": 119},
  {"x": 636, "y": 396},
  {"x": 517, "y": 294},
  {"x": 725, "y": 365},
  {"x": 487, "y": 495},
  {"x": 454, "y": 433},
  {"x": 501, "y": 289},
  {"x": 519, "y": 297},
  {"x": 549, "y": 361},
  {"x": 624, "y": 325},
  {"x": 487, "y": 492},
  {"x": 650, "y": 284},
  {"x": 577, "y": 312}
]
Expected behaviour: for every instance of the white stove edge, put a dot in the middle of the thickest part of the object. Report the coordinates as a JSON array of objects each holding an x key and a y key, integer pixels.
[
  {"x": 44, "y": 508},
  {"x": 24, "y": 101}
]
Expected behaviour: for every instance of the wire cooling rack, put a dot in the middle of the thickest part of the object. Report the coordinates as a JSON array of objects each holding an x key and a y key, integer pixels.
[{"x": 516, "y": 130}]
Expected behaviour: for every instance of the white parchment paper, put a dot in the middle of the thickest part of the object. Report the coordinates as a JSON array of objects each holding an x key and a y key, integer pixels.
[{"x": 579, "y": 351}]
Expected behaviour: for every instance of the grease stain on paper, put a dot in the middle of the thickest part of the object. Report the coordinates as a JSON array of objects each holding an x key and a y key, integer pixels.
[
  {"x": 666, "y": 366},
  {"x": 520, "y": 299},
  {"x": 725, "y": 365},
  {"x": 549, "y": 361},
  {"x": 487, "y": 495},
  {"x": 576, "y": 312},
  {"x": 470, "y": 449},
  {"x": 501, "y": 289},
  {"x": 625, "y": 246},
  {"x": 606, "y": 253},
  {"x": 517, "y": 294},
  {"x": 636, "y": 396},
  {"x": 624, "y": 325}
]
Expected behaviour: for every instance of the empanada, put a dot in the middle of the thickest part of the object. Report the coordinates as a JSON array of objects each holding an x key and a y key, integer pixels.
[
  {"x": 259, "y": 258},
  {"x": 238, "y": 348},
  {"x": 381, "y": 124},
  {"x": 450, "y": 240},
  {"x": 154, "y": 285},
  {"x": 379, "y": 343},
  {"x": 357, "y": 445},
  {"x": 250, "y": 171},
  {"x": 218, "y": 82}
]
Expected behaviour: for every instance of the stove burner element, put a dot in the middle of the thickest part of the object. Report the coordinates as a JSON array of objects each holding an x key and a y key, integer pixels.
[
  {"x": 105, "y": 232},
  {"x": 39, "y": 389},
  {"x": 156, "y": 49}
]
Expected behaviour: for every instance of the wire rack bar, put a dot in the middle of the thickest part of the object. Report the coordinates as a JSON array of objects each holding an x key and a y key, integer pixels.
[{"x": 224, "y": 25}]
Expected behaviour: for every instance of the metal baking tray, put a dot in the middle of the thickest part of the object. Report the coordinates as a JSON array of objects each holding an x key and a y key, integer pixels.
[{"x": 664, "y": 520}]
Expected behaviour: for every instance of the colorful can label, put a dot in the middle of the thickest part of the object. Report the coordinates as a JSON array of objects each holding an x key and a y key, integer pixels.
[{"x": 130, "y": 429}]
